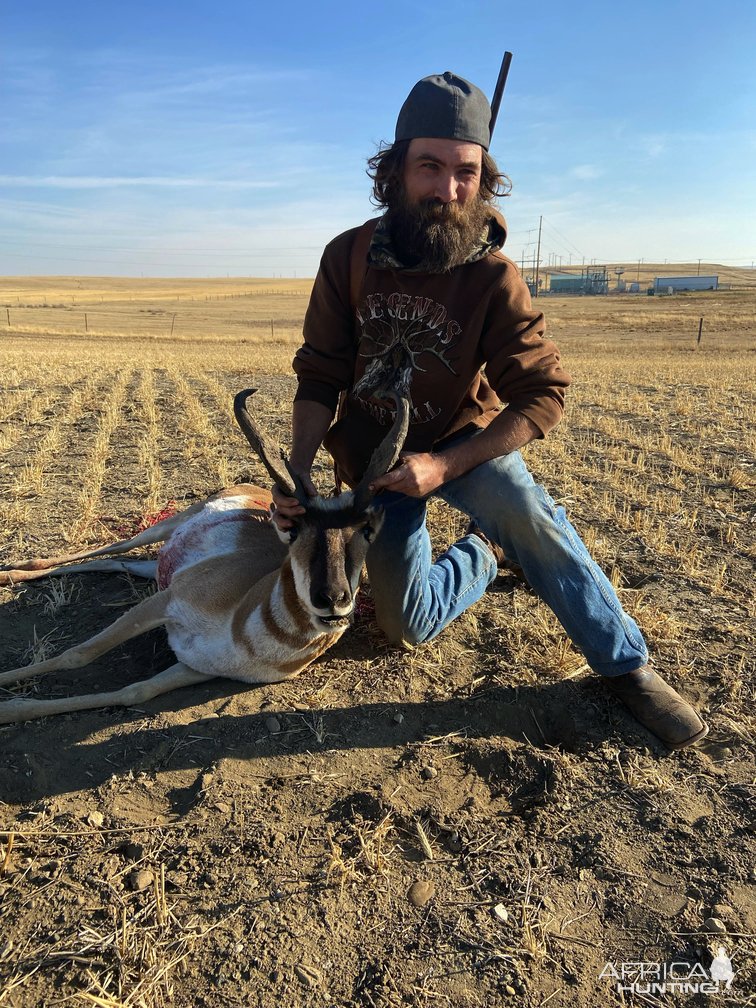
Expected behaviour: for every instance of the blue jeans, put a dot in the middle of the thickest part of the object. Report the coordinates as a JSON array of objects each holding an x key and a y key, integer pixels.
[{"x": 416, "y": 598}]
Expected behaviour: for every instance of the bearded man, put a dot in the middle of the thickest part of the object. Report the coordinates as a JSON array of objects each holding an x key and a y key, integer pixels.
[{"x": 422, "y": 300}]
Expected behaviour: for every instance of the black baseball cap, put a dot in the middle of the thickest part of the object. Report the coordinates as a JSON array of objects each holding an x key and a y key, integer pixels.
[{"x": 447, "y": 106}]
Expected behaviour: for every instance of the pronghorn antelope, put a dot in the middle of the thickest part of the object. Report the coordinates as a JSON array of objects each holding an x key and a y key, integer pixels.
[{"x": 234, "y": 601}]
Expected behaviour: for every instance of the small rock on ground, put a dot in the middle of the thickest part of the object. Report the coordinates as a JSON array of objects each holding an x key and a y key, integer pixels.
[{"x": 420, "y": 892}]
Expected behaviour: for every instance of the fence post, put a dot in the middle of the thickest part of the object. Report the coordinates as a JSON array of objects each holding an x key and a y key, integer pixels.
[
  {"x": 700, "y": 330},
  {"x": 272, "y": 335},
  {"x": 7, "y": 312},
  {"x": 173, "y": 322}
]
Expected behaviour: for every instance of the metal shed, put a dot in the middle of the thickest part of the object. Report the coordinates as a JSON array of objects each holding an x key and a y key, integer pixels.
[
  {"x": 662, "y": 285},
  {"x": 592, "y": 280},
  {"x": 566, "y": 284}
]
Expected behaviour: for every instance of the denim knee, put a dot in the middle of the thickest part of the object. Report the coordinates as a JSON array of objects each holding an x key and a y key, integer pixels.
[{"x": 528, "y": 524}]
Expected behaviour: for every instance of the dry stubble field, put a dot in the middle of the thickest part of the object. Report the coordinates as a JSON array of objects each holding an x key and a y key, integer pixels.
[{"x": 229, "y": 847}]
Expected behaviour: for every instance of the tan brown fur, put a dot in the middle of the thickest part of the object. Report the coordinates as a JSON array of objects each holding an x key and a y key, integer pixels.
[
  {"x": 233, "y": 602},
  {"x": 246, "y": 596}
]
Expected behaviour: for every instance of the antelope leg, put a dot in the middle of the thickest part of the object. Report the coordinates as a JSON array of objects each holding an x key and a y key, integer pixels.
[
  {"x": 172, "y": 678},
  {"x": 141, "y": 568},
  {"x": 147, "y": 615},
  {"x": 156, "y": 533}
]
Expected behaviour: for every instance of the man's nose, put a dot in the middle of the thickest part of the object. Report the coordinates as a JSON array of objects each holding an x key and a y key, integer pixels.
[{"x": 446, "y": 189}]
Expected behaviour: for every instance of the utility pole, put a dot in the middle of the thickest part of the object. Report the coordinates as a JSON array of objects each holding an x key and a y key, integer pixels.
[
  {"x": 698, "y": 273},
  {"x": 538, "y": 256}
]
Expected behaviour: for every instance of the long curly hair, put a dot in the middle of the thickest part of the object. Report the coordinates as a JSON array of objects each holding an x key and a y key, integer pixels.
[{"x": 386, "y": 169}]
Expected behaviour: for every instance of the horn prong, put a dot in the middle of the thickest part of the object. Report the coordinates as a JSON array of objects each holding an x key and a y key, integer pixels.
[
  {"x": 268, "y": 452},
  {"x": 388, "y": 451}
]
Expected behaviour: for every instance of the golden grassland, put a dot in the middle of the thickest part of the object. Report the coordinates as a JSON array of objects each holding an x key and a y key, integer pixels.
[
  {"x": 222, "y": 310},
  {"x": 655, "y": 462},
  {"x": 657, "y": 446},
  {"x": 270, "y": 310},
  {"x": 653, "y": 414}
]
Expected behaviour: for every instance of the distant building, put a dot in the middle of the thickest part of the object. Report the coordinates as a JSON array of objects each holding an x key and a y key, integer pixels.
[
  {"x": 663, "y": 285},
  {"x": 591, "y": 280},
  {"x": 565, "y": 283}
]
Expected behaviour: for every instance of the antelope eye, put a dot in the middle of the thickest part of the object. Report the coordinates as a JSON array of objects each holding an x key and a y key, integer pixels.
[
  {"x": 293, "y": 533},
  {"x": 368, "y": 531}
]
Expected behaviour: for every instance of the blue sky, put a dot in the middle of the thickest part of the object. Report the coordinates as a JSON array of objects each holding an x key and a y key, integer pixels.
[{"x": 199, "y": 139}]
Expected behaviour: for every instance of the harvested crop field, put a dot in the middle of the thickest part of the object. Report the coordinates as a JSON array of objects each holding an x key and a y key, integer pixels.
[{"x": 469, "y": 823}]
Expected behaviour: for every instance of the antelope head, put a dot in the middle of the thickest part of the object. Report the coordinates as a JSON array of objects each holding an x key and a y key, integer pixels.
[{"x": 329, "y": 542}]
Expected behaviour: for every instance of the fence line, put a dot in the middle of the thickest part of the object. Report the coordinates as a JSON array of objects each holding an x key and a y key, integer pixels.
[
  {"x": 70, "y": 321},
  {"x": 90, "y": 298}
]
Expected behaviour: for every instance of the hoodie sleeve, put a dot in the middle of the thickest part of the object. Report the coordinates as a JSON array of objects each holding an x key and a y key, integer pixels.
[
  {"x": 522, "y": 365},
  {"x": 324, "y": 364}
]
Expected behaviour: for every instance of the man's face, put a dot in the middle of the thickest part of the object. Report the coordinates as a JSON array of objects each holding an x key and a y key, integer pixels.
[
  {"x": 444, "y": 170},
  {"x": 437, "y": 216}
]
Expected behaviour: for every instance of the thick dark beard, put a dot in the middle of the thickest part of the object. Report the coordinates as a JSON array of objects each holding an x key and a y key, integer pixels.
[{"x": 433, "y": 235}]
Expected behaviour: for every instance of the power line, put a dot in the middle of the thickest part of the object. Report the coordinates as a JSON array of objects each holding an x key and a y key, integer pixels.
[{"x": 570, "y": 246}]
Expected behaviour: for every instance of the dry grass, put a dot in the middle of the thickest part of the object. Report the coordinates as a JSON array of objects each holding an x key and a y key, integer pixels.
[
  {"x": 218, "y": 311},
  {"x": 273, "y": 866},
  {"x": 362, "y": 850},
  {"x": 128, "y": 960}
]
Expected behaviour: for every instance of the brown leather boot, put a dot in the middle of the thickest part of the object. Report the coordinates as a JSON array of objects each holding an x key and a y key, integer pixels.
[
  {"x": 658, "y": 707},
  {"x": 498, "y": 552}
]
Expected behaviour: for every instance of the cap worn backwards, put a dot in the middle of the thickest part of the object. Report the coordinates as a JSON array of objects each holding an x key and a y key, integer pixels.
[{"x": 446, "y": 106}]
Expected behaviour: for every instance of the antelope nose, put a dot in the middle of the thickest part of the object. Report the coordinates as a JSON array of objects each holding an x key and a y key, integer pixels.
[{"x": 331, "y": 599}]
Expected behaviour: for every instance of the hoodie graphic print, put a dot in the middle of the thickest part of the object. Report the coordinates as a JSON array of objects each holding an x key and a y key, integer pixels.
[{"x": 431, "y": 336}]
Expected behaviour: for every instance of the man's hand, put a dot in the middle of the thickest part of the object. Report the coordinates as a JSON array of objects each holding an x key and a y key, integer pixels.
[
  {"x": 310, "y": 421},
  {"x": 417, "y": 475},
  {"x": 285, "y": 508}
]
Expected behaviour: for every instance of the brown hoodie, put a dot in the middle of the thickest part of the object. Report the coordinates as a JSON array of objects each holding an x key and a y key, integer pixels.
[{"x": 433, "y": 331}]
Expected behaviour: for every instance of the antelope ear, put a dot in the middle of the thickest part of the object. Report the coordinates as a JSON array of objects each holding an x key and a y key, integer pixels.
[{"x": 375, "y": 516}]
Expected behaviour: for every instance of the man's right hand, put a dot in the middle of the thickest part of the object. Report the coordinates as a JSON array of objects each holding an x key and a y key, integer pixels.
[
  {"x": 285, "y": 509},
  {"x": 310, "y": 421}
]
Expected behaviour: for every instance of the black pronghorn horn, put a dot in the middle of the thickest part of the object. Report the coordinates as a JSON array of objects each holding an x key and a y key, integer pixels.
[
  {"x": 386, "y": 454},
  {"x": 270, "y": 455}
]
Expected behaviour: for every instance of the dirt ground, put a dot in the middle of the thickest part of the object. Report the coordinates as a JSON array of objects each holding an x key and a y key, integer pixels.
[{"x": 470, "y": 823}]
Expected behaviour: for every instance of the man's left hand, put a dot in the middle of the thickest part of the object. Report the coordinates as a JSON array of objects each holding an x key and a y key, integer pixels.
[{"x": 417, "y": 475}]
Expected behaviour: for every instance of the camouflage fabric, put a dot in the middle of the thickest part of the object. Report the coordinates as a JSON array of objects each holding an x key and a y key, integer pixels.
[{"x": 382, "y": 254}]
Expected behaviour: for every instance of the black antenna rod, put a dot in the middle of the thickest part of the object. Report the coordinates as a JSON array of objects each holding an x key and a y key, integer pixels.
[{"x": 499, "y": 90}]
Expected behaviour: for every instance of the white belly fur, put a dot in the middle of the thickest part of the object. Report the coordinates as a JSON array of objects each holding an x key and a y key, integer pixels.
[{"x": 208, "y": 646}]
